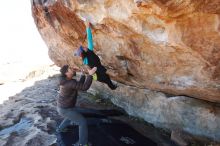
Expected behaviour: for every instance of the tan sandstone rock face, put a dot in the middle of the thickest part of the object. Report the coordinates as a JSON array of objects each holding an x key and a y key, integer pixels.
[{"x": 171, "y": 46}]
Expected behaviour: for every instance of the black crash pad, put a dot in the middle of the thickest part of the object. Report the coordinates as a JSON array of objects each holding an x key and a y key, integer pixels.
[{"x": 105, "y": 131}]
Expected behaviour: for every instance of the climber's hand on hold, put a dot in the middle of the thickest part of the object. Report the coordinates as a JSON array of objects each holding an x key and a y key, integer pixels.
[
  {"x": 87, "y": 23},
  {"x": 138, "y": 2}
]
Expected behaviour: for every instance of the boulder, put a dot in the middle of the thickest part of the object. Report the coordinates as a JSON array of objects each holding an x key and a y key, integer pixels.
[{"x": 170, "y": 46}]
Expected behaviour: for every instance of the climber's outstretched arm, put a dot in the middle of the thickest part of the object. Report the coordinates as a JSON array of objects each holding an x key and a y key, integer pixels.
[{"x": 89, "y": 36}]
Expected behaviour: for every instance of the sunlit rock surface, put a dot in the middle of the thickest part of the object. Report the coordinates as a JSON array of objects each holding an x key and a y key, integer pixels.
[{"x": 171, "y": 46}]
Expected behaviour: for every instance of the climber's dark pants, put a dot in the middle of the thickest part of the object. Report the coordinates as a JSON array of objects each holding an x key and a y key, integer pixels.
[{"x": 103, "y": 77}]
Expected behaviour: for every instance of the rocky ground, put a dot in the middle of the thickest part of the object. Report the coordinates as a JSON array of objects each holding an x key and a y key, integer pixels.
[{"x": 29, "y": 117}]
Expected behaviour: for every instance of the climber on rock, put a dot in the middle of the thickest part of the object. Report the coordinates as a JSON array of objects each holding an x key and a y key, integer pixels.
[{"x": 92, "y": 60}]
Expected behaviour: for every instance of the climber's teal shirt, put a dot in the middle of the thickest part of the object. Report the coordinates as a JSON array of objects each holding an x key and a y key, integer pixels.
[{"x": 90, "y": 44}]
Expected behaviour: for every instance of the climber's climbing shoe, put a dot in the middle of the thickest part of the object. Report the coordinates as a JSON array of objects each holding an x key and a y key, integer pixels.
[{"x": 58, "y": 130}]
